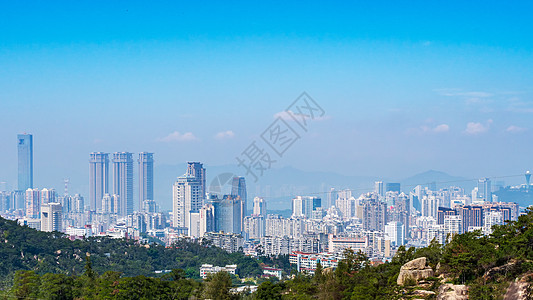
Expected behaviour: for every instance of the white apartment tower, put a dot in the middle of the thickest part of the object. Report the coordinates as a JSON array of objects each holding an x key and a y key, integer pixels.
[{"x": 51, "y": 217}]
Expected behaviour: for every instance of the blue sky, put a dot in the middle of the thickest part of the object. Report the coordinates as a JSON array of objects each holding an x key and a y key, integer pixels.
[{"x": 443, "y": 85}]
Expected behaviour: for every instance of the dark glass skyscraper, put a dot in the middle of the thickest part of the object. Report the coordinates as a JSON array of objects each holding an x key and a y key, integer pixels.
[
  {"x": 98, "y": 179},
  {"x": 123, "y": 181},
  {"x": 146, "y": 177},
  {"x": 227, "y": 213},
  {"x": 25, "y": 161}
]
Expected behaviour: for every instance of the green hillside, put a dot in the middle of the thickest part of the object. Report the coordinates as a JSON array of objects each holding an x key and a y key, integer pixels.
[{"x": 23, "y": 248}]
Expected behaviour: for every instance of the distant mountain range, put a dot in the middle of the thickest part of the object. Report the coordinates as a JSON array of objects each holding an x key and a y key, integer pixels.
[{"x": 279, "y": 186}]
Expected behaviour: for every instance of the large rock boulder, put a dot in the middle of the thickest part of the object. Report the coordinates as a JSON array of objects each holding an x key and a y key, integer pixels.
[
  {"x": 450, "y": 291},
  {"x": 415, "y": 270}
]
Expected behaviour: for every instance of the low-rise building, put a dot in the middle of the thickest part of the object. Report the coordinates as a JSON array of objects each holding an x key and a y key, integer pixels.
[
  {"x": 206, "y": 269},
  {"x": 307, "y": 262}
]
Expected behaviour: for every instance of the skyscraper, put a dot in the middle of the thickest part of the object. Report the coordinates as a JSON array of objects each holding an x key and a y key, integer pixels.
[
  {"x": 25, "y": 161},
  {"x": 260, "y": 207},
  {"x": 187, "y": 197},
  {"x": 123, "y": 180},
  {"x": 332, "y": 197},
  {"x": 197, "y": 170},
  {"x": 146, "y": 177},
  {"x": 304, "y": 206},
  {"x": 48, "y": 196},
  {"x": 98, "y": 179},
  {"x": 238, "y": 189},
  {"x": 78, "y": 203},
  {"x": 33, "y": 203},
  {"x": 378, "y": 188},
  {"x": 228, "y": 216},
  {"x": 484, "y": 190}
]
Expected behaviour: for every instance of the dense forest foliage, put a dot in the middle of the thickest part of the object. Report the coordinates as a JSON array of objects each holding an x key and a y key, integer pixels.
[
  {"x": 23, "y": 248},
  {"x": 487, "y": 264}
]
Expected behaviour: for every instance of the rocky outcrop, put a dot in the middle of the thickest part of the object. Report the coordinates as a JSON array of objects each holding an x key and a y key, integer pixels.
[
  {"x": 415, "y": 270},
  {"x": 450, "y": 291},
  {"x": 520, "y": 288}
]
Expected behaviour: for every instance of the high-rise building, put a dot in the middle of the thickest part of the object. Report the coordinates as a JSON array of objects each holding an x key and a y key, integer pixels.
[
  {"x": 123, "y": 181},
  {"x": 25, "y": 161},
  {"x": 430, "y": 205},
  {"x": 150, "y": 206},
  {"x": 51, "y": 217},
  {"x": 379, "y": 188},
  {"x": 207, "y": 219},
  {"x": 197, "y": 170},
  {"x": 98, "y": 179},
  {"x": 78, "y": 203},
  {"x": 452, "y": 225},
  {"x": 346, "y": 204},
  {"x": 254, "y": 227},
  {"x": 33, "y": 203},
  {"x": 484, "y": 190},
  {"x": 332, "y": 197},
  {"x": 187, "y": 197},
  {"x": 238, "y": 189},
  {"x": 48, "y": 195},
  {"x": 416, "y": 197},
  {"x": 443, "y": 212},
  {"x": 304, "y": 206},
  {"x": 19, "y": 199},
  {"x": 5, "y": 201},
  {"x": 260, "y": 207},
  {"x": 66, "y": 203},
  {"x": 395, "y": 230},
  {"x": 107, "y": 204},
  {"x": 472, "y": 217},
  {"x": 374, "y": 214},
  {"x": 115, "y": 199},
  {"x": 146, "y": 177},
  {"x": 228, "y": 216}
]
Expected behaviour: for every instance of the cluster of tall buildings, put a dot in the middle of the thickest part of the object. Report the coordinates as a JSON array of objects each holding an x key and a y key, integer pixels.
[
  {"x": 376, "y": 223},
  {"x": 195, "y": 212},
  {"x": 120, "y": 201}
]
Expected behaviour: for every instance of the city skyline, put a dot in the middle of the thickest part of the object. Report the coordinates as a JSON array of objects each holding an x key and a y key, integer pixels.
[{"x": 99, "y": 177}]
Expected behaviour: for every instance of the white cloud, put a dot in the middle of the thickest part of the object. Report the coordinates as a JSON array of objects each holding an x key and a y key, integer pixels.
[
  {"x": 176, "y": 136},
  {"x": 441, "y": 128},
  {"x": 473, "y": 128},
  {"x": 515, "y": 129},
  {"x": 228, "y": 134}
]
